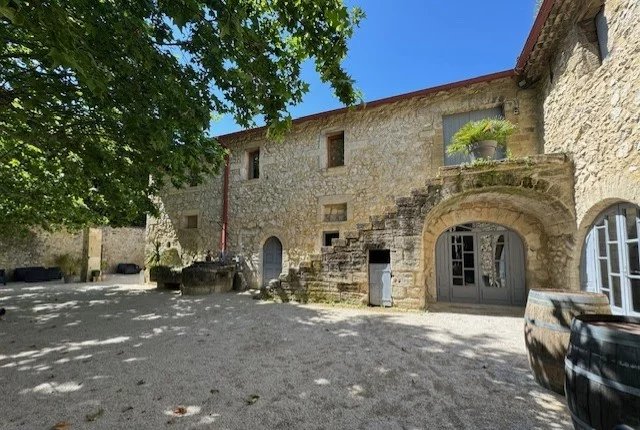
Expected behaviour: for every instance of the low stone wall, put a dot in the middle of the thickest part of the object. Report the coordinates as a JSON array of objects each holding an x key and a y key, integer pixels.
[{"x": 40, "y": 248}]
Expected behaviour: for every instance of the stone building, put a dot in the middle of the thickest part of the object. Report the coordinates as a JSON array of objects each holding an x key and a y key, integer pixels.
[{"x": 363, "y": 204}]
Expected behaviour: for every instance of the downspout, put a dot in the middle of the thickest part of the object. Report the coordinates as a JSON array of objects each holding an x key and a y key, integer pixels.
[{"x": 225, "y": 208}]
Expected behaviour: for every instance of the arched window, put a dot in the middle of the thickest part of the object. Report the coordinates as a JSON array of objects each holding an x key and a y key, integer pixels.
[{"x": 611, "y": 262}]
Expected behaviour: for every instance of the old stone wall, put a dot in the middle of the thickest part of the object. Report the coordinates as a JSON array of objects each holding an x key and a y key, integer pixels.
[
  {"x": 591, "y": 109},
  {"x": 40, "y": 248},
  {"x": 170, "y": 231},
  {"x": 122, "y": 245},
  {"x": 389, "y": 150},
  {"x": 532, "y": 196}
]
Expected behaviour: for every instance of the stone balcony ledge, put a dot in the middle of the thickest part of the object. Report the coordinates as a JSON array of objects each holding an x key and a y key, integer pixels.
[{"x": 543, "y": 161}]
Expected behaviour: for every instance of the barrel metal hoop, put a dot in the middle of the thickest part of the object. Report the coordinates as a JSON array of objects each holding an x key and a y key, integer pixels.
[
  {"x": 543, "y": 297},
  {"x": 582, "y": 424},
  {"x": 604, "y": 334},
  {"x": 603, "y": 381},
  {"x": 543, "y": 324}
]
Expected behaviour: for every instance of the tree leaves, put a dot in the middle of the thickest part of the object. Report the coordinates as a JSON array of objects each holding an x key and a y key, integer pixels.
[{"x": 97, "y": 97}]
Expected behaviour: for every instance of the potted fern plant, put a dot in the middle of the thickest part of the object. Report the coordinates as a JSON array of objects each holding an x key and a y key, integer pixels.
[{"x": 481, "y": 138}]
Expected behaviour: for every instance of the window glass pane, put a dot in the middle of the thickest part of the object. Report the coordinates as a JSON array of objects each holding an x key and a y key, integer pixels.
[
  {"x": 337, "y": 212},
  {"x": 604, "y": 274},
  {"x": 468, "y": 260},
  {"x": 632, "y": 218},
  {"x": 456, "y": 248},
  {"x": 457, "y": 281},
  {"x": 469, "y": 277},
  {"x": 468, "y": 243},
  {"x": 611, "y": 227},
  {"x": 635, "y": 294},
  {"x": 192, "y": 221},
  {"x": 456, "y": 267},
  {"x": 335, "y": 150},
  {"x": 616, "y": 291},
  {"x": 602, "y": 242},
  {"x": 329, "y": 236},
  {"x": 254, "y": 164},
  {"x": 613, "y": 258},
  {"x": 634, "y": 259}
]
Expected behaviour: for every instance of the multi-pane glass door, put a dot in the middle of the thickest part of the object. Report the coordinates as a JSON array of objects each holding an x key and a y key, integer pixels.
[
  {"x": 480, "y": 263},
  {"x": 611, "y": 262}
]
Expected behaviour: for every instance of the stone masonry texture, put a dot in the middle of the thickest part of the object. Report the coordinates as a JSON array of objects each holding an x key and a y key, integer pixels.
[{"x": 577, "y": 150}]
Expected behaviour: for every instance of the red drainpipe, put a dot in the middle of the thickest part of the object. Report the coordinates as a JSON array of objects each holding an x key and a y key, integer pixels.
[{"x": 225, "y": 207}]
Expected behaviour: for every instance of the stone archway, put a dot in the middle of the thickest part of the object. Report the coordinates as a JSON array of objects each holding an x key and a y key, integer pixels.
[
  {"x": 548, "y": 240},
  {"x": 480, "y": 262}
]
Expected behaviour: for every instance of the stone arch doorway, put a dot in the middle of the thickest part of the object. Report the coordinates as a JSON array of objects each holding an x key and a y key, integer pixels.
[
  {"x": 610, "y": 261},
  {"x": 271, "y": 259},
  {"x": 480, "y": 262}
]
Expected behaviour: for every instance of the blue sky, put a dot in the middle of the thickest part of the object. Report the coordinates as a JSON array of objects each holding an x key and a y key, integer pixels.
[{"x": 407, "y": 45}]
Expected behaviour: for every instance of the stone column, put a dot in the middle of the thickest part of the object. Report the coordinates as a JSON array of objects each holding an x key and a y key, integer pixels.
[{"x": 91, "y": 252}]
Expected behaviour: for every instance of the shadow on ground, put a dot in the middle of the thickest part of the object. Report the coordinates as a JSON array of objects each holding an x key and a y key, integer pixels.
[{"x": 128, "y": 357}]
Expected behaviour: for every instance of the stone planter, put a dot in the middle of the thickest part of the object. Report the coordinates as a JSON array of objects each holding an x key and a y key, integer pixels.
[
  {"x": 484, "y": 149},
  {"x": 206, "y": 278},
  {"x": 165, "y": 277}
]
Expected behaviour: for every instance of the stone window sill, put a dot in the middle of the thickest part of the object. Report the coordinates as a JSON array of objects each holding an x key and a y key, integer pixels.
[{"x": 334, "y": 171}]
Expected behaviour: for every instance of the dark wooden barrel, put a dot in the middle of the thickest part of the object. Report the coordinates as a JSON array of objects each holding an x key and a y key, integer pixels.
[
  {"x": 603, "y": 372},
  {"x": 547, "y": 325}
]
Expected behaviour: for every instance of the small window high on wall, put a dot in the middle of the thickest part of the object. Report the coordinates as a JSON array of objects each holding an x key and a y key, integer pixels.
[
  {"x": 191, "y": 221},
  {"x": 602, "y": 30},
  {"x": 335, "y": 212},
  {"x": 452, "y": 123},
  {"x": 335, "y": 150},
  {"x": 253, "y": 157},
  {"x": 328, "y": 236}
]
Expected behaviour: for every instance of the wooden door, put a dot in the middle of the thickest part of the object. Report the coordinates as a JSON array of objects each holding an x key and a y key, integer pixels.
[{"x": 271, "y": 260}]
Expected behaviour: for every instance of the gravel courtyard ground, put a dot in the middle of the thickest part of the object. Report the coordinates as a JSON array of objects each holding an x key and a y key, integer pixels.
[{"x": 129, "y": 357}]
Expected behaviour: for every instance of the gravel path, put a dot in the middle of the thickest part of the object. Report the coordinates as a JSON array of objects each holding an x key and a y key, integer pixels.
[{"x": 126, "y": 356}]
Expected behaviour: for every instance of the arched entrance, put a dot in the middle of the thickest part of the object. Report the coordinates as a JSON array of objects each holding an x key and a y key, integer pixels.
[
  {"x": 271, "y": 259},
  {"x": 611, "y": 261},
  {"x": 480, "y": 262}
]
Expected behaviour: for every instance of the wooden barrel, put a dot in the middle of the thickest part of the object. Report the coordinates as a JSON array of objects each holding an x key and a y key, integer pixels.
[
  {"x": 547, "y": 325},
  {"x": 603, "y": 372}
]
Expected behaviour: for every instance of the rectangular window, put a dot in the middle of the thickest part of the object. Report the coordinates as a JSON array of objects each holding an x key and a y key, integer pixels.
[
  {"x": 335, "y": 150},
  {"x": 253, "y": 164},
  {"x": 191, "y": 221},
  {"x": 602, "y": 31},
  {"x": 452, "y": 123},
  {"x": 328, "y": 236},
  {"x": 335, "y": 212}
]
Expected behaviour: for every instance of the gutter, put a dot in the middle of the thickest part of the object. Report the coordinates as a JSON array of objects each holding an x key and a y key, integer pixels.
[{"x": 530, "y": 44}]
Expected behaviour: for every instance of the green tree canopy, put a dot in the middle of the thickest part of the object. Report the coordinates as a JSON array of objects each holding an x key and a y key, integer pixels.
[{"x": 97, "y": 96}]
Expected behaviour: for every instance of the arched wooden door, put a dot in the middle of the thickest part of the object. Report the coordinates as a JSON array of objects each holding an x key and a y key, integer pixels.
[
  {"x": 480, "y": 263},
  {"x": 611, "y": 258},
  {"x": 271, "y": 259}
]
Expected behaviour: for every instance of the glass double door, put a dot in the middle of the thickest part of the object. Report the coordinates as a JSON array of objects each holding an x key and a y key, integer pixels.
[
  {"x": 611, "y": 260},
  {"x": 481, "y": 263}
]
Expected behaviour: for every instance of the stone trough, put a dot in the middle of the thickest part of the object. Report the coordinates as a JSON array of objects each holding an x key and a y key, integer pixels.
[
  {"x": 208, "y": 277},
  {"x": 198, "y": 279}
]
